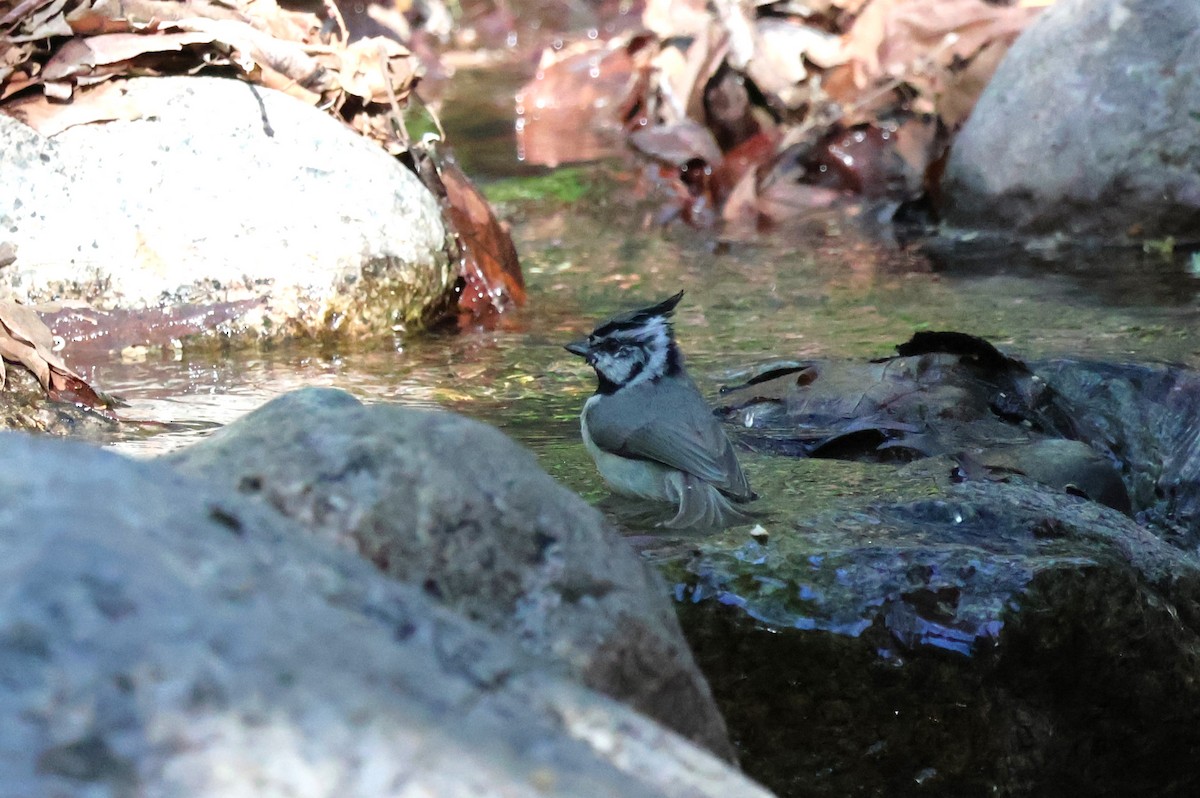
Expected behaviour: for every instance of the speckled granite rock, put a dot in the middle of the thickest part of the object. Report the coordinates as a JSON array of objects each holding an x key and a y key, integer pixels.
[
  {"x": 455, "y": 506},
  {"x": 1088, "y": 127},
  {"x": 228, "y": 196},
  {"x": 160, "y": 636}
]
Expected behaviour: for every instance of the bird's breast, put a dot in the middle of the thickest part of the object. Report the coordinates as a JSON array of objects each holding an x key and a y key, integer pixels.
[{"x": 641, "y": 478}]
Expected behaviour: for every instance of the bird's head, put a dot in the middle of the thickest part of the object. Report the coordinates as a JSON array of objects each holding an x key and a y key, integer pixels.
[{"x": 634, "y": 347}]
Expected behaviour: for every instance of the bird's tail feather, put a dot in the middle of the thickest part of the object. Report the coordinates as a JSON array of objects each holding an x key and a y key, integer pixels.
[{"x": 700, "y": 505}]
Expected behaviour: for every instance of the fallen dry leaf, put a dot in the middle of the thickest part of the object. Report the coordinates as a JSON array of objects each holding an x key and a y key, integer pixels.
[
  {"x": 254, "y": 47},
  {"x": 683, "y": 70},
  {"x": 106, "y": 102},
  {"x": 808, "y": 71},
  {"x": 893, "y": 39},
  {"x": 88, "y": 41},
  {"x": 777, "y": 67},
  {"x": 81, "y": 57},
  {"x": 34, "y": 20},
  {"x": 489, "y": 268},
  {"x": 670, "y": 18},
  {"x": 961, "y": 89},
  {"x": 370, "y": 66},
  {"x": 572, "y": 109},
  {"x": 25, "y": 339}
]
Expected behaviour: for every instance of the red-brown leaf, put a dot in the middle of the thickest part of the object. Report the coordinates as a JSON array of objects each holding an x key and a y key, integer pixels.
[{"x": 491, "y": 269}]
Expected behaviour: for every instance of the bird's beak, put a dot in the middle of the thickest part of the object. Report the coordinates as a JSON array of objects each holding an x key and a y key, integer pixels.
[{"x": 580, "y": 348}]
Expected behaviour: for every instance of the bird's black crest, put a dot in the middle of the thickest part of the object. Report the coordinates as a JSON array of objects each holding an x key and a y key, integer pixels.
[{"x": 633, "y": 319}]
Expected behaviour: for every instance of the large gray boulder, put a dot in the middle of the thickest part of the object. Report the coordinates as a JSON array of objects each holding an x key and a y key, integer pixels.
[
  {"x": 164, "y": 637},
  {"x": 1088, "y": 128},
  {"x": 233, "y": 197},
  {"x": 453, "y": 505}
]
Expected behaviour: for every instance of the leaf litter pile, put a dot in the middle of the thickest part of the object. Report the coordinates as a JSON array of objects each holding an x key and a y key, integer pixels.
[
  {"x": 62, "y": 63},
  {"x": 754, "y": 112}
]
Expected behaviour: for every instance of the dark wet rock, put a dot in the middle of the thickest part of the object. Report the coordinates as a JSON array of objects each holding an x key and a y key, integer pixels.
[
  {"x": 1019, "y": 614},
  {"x": 162, "y": 636},
  {"x": 1147, "y": 418},
  {"x": 1087, "y": 128},
  {"x": 945, "y": 394},
  {"x": 454, "y": 506},
  {"x": 223, "y": 195},
  {"x": 992, "y": 638}
]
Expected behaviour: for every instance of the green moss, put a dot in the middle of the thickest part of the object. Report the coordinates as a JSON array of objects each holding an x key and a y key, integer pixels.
[{"x": 564, "y": 185}]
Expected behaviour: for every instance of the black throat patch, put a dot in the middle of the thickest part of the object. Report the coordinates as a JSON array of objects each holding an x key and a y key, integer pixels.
[{"x": 674, "y": 360}]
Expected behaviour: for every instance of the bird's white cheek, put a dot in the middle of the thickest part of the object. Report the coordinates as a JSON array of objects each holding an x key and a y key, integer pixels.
[{"x": 611, "y": 368}]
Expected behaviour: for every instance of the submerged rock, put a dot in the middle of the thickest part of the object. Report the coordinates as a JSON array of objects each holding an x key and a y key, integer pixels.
[
  {"x": 453, "y": 505},
  {"x": 163, "y": 636},
  {"x": 945, "y": 394},
  {"x": 1087, "y": 128},
  {"x": 224, "y": 195}
]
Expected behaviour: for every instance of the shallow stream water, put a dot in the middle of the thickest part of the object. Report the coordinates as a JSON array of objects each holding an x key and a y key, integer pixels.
[
  {"x": 833, "y": 286},
  {"x": 831, "y": 292}
]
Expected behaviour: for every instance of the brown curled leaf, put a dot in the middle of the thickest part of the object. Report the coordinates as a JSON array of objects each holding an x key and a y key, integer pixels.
[{"x": 25, "y": 339}]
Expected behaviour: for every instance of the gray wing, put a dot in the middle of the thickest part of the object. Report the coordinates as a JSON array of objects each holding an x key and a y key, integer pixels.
[{"x": 669, "y": 422}]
